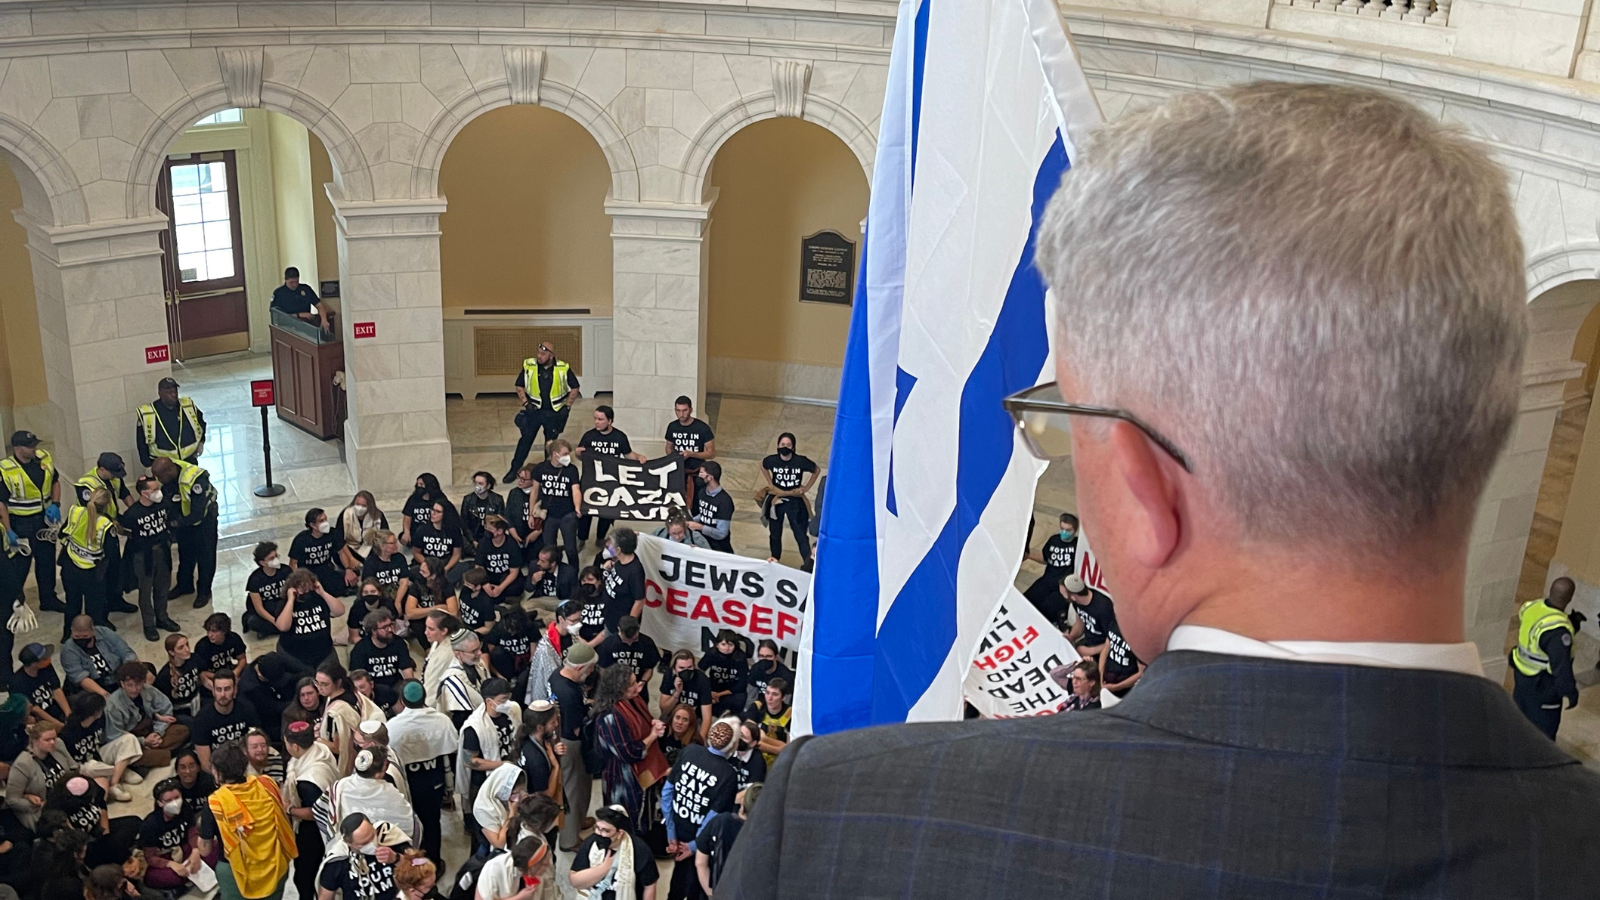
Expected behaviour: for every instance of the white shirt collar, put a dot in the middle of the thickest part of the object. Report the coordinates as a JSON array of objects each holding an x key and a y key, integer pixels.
[{"x": 1462, "y": 658}]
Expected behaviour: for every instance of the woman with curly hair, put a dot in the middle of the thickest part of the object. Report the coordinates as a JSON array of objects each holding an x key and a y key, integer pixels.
[{"x": 627, "y": 735}]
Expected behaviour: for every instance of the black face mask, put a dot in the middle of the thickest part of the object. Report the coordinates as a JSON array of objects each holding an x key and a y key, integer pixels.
[
  {"x": 764, "y": 665},
  {"x": 86, "y": 643},
  {"x": 785, "y": 452}
]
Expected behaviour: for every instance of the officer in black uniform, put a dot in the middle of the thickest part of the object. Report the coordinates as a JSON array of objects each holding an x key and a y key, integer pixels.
[
  {"x": 299, "y": 300},
  {"x": 192, "y": 501},
  {"x": 547, "y": 387}
]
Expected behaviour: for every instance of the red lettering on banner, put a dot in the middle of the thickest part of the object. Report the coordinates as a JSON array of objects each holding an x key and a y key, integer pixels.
[
  {"x": 788, "y": 624},
  {"x": 985, "y": 663},
  {"x": 1003, "y": 653},
  {"x": 733, "y": 613},
  {"x": 676, "y": 604},
  {"x": 1089, "y": 571},
  {"x": 704, "y": 609},
  {"x": 761, "y": 621},
  {"x": 1030, "y": 635},
  {"x": 366, "y": 329},
  {"x": 158, "y": 354}
]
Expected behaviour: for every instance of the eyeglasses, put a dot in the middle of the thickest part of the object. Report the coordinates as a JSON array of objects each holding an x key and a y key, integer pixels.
[{"x": 1045, "y": 421}]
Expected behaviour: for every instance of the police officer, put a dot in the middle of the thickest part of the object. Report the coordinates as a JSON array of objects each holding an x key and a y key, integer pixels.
[
  {"x": 109, "y": 474},
  {"x": 170, "y": 428},
  {"x": 547, "y": 389},
  {"x": 194, "y": 525},
  {"x": 83, "y": 540},
  {"x": 30, "y": 502},
  {"x": 1542, "y": 659},
  {"x": 299, "y": 300}
]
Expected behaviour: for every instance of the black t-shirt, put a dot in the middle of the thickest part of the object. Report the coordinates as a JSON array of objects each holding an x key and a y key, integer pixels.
[
  {"x": 359, "y": 876},
  {"x": 645, "y": 872},
  {"x": 518, "y": 645},
  {"x": 147, "y": 527},
  {"x": 52, "y": 769},
  {"x": 725, "y": 672},
  {"x": 1121, "y": 664},
  {"x": 183, "y": 689},
  {"x": 314, "y": 551},
  {"x": 310, "y": 634},
  {"x": 555, "y": 488},
  {"x": 272, "y": 588},
  {"x": 642, "y": 654},
  {"x": 82, "y": 812},
  {"x": 83, "y": 742},
  {"x": 762, "y": 672},
  {"x": 499, "y": 561},
  {"x": 752, "y": 769},
  {"x": 211, "y": 657},
  {"x": 696, "y": 689},
  {"x": 472, "y": 743},
  {"x": 294, "y": 301},
  {"x": 1060, "y": 557},
  {"x": 386, "y": 573},
  {"x": 569, "y": 697},
  {"x": 476, "y": 608},
  {"x": 702, "y": 783},
  {"x": 788, "y": 474},
  {"x": 427, "y": 776},
  {"x": 384, "y": 664},
  {"x": 708, "y": 509},
  {"x": 419, "y": 506},
  {"x": 40, "y": 689},
  {"x": 161, "y": 834},
  {"x": 614, "y": 443},
  {"x": 594, "y": 613},
  {"x": 213, "y": 728},
  {"x": 624, "y": 586},
  {"x": 716, "y": 840},
  {"x": 690, "y": 438},
  {"x": 431, "y": 541},
  {"x": 358, "y": 609},
  {"x": 1098, "y": 616},
  {"x": 195, "y": 797}
]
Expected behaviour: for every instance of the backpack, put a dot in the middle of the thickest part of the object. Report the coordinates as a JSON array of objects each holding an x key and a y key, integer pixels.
[{"x": 466, "y": 885}]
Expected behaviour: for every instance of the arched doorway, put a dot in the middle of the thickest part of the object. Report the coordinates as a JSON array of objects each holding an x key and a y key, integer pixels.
[
  {"x": 525, "y": 256},
  {"x": 24, "y": 389}
]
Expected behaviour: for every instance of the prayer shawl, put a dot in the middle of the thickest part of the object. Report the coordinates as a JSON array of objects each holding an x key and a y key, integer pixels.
[
  {"x": 380, "y": 800},
  {"x": 340, "y": 720},
  {"x": 388, "y": 836},
  {"x": 456, "y": 691},
  {"x": 545, "y": 662},
  {"x": 418, "y": 735},
  {"x": 491, "y": 810},
  {"x": 621, "y": 879},
  {"x": 317, "y": 766},
  {"x": 488, "y": 743},
  {"x": 438, "y": 661},
  {"x": 256, "y": 838}
]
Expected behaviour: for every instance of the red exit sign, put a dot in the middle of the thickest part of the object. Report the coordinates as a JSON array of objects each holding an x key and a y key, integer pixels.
[
  {"x": 261, "y": 393},
  {"x": 366, "y": 329},
  {"x": 157, "y": 354}
]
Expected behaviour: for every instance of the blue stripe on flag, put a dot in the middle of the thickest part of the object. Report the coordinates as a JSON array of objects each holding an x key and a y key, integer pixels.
[
  {"x": 919, "y": 59},
  {"x": 920, "y": 627},
  {"x": 841, "y": 665}
]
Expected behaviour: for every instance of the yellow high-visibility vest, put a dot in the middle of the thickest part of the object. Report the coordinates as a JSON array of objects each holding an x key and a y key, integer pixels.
[
  {"x": 93, "y": 481},
  {"x": 27, "y": 498},
  {"x": 84, "y": 549},
  {"x": 1535, "y": 620},
  {"x": 188, "y": 474},
  {"x": 150, "y": 421},
  {"x": 558, "y": 383}
]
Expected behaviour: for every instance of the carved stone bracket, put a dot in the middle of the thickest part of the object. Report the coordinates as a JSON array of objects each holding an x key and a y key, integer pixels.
[
  {"x": 524, "y": 71},
  {"x": 241, "y": 75},
  {"x": 790, "y": 78}
]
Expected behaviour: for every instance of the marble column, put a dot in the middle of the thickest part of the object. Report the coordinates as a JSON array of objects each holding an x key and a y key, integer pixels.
[
  {"x": 660, "y": 263},
  {"x": 1505, "y": 512},
  {"x": 389, "y": 285},
  {"x": 99, "y": 294}
]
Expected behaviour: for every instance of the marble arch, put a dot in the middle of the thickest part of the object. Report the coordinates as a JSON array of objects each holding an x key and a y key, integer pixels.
[{"x": 839, "y": 121}]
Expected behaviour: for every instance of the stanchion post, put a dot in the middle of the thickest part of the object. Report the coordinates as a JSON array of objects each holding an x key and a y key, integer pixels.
[{"x": 262, "y": 395}]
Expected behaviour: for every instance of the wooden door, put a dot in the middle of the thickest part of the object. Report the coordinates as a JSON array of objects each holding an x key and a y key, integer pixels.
[{"x": 207, "y": 312}]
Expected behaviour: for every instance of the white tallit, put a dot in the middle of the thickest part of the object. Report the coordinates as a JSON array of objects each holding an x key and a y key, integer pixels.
[
  {"x": 418, "y": 735},
  {"x": 340, "y": 720},
  {"x": 437, "y": 662},
  {"x": 621, "y": 878},
  {"x": 457, "y": 693},
  {"x": 380, "y": 800},
  {"x": 489, "y": 810},
  {"x": 488, "y": 744},
  {"x": 317, "y": 766}
]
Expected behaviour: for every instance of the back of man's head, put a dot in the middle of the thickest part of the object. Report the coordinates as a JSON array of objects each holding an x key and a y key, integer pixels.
[
  {"x": 1315, "y": 292},
  {"x": 1561, "y": 591}
]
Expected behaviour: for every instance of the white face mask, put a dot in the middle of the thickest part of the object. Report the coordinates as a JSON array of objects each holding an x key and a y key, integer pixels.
[
  {"x": 574, "y": 628},
  {"x": 172, "y": 807},
  {"x": 480, "y": 489},
  {"x": 324, "y": 527},
  {"x": 528, "y": 489},
  {"x": 359, "y": 510},
  {"x": 155, "y": 496},
  {"x": 563, "y": 461},
  {"x": 271, "y": 564},
  {"x": 370, "y": 850}
]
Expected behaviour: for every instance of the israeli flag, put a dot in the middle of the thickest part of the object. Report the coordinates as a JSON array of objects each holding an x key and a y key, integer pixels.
[{"x": 930, "y": 491}]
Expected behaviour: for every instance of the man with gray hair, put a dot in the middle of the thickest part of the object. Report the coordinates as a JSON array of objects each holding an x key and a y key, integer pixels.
[{"x": 1290, "y": 351}]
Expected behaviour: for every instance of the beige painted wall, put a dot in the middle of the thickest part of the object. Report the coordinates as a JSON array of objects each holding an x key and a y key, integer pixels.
[
  {"x": 291, "y": 192},
  {"x": 779, "y": 180},
  {"x": 327, "y": 233},
  {"x": 526, "y": 223},
  {"x": 1579, "y": 544},
  {"x": 22, "y": 380}
]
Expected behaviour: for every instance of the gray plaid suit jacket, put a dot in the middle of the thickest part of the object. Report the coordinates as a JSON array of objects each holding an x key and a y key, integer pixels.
[{"x": 1219, "y": 776}]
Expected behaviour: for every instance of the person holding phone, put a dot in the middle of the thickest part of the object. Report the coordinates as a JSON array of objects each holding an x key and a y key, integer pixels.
[{"x": 613, "y": 863}]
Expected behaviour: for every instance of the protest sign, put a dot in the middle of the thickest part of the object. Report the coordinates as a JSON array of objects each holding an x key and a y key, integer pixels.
[
  {"x": 618, "y": 488},
  {"x": 691, "y": 593},
  {"x": 1010, "y": 675}
]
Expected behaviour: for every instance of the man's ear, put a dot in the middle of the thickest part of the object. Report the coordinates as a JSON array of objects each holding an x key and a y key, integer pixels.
[{"x": 1150, "y": 527}]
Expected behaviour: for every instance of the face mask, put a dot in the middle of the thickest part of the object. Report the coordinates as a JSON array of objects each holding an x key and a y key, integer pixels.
[
  {"x": 271, "y": 565},
  {"x": 172, "y": 807},
  {"x": 155, "y": 496},
  {"x": 85, "y": 643},
  {"x": 480, "y": 489},
  {"x": 609, "y": 553},
  {"x": 785, "y": 452},
  {"x": 359, "y": 510},
  {"x": 563, "y": 461},
  {"x": 370, "y": 850},
  {"x": 574, "y": 627},
  {"x": 1066, "y": 535},
  {"x": 528, "y": 489},
  {"x": 324, "y": 527}
]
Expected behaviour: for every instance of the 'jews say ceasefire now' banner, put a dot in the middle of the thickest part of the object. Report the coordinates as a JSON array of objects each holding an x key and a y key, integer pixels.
[
  {"x": 618, "y": 488},
  {"x": 691, "y": 593}
]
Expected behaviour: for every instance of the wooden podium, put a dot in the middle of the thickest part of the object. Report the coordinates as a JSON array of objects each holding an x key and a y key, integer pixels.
[{"x": 304, "y": 361}]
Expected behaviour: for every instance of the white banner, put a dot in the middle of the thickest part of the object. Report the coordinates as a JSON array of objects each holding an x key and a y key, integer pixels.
[
  {"x": 691, "y": 594},
  {"x": 1010, "y": 676}
]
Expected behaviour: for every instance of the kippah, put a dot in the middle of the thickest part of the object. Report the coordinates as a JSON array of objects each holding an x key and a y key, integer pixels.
[{"x": 413, "y": 692}]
